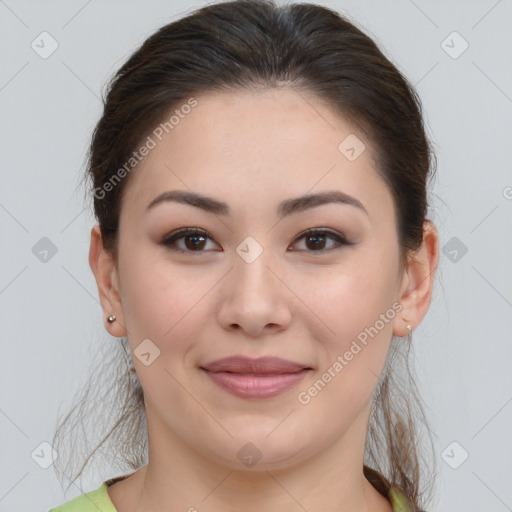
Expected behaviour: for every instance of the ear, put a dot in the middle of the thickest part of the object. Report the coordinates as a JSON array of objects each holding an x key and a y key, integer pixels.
[
  {"x": 105, "y": 272},
  {"x": 417, "y": 281}
]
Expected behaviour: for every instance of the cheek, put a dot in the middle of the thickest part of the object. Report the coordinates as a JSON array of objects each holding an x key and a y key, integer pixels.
[
  {"x": 150, "y": 295},
  {"x": 352, "y": 311},
  {"x": 348, "y": 299},
  {"x": 354, "y": 341},
  {"x": 163, "y": 302}
]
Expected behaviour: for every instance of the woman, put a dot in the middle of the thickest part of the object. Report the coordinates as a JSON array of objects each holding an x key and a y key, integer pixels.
[{"x": 260, "y": 184}]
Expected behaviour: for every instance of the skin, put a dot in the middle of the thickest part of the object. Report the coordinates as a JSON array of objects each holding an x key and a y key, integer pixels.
[{"x": 253, "y": 149}]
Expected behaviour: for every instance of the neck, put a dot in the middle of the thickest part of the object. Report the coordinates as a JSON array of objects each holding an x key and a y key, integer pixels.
[{"x": 179, "y": 477}]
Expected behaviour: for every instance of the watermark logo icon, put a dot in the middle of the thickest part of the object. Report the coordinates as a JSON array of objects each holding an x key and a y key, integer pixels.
[
  {"x": 44, "y": 45},
  {"x": 44, "y": 249},
  {"x": 44, "y": 455},
  {"x": 249, "y": 249},
  {"x": 454, "y": 249},
  {"x": 352, "y": 147},
  {"x": 454, "y": 455},
  {"x": 146, "y": 352},
  {"x": 249, "y": 454},
  {"x": 454, "y": 45}
]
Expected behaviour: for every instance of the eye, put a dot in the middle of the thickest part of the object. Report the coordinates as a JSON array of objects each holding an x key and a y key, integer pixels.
[
  {"x": 315, "y": 239},
  {"x": 195, "y": 240}
]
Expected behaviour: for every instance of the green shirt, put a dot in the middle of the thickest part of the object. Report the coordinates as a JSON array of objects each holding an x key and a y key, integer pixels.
[
  {"x": 93, "y": 501},
  {"x": 99, "y": 501}
]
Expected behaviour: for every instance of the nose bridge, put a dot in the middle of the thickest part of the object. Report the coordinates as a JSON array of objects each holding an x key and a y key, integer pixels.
[
  {"x": 255, "y": 290},
  {"x": 252, "y": 272}
]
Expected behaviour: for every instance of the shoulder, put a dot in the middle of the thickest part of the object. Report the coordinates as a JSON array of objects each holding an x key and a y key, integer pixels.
[
  {"x": 92, "y": 501},
  {"x": 398, "y": 500}
]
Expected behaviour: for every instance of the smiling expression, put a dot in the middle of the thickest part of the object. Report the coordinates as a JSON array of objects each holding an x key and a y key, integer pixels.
[{"x": 250, "y": 173}]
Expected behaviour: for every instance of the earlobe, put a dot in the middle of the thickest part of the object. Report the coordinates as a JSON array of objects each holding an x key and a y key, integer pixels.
[
  {"x": 105, "y": 273},
  {"x": 417, "y": 285}
]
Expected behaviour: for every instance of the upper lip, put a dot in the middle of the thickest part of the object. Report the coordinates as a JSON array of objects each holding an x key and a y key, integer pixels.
[{"x": 241, "y": 364}]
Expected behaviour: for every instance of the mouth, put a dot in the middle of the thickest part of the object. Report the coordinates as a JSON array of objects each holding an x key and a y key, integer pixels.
[
  {"x": 255, "y": 378},
  {"x": 260, "y": 366}
]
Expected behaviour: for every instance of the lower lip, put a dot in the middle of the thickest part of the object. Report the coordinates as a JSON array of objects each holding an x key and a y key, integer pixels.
[{"x": 256, "y": 386}]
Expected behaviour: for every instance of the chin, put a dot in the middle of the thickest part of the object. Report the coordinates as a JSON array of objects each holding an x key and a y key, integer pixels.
[{"x": 262, "y": 453}]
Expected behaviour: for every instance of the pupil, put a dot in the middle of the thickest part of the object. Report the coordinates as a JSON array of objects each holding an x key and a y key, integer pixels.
[
  {"x": 316, "y": 238},
  {"x": 194, "y": 245}
]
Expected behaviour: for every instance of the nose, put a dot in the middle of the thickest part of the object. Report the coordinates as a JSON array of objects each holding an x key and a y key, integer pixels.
[{"x": 255, "y": 298}]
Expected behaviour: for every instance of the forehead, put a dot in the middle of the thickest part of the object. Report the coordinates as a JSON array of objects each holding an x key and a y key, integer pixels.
[{"x": 258, "y": 145}]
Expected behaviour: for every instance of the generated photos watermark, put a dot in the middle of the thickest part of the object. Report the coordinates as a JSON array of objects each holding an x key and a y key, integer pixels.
[{"x": 304, "y": 397}]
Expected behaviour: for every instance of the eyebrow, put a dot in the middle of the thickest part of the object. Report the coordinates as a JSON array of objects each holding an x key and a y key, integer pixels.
[{"x": 285, "y": 208}]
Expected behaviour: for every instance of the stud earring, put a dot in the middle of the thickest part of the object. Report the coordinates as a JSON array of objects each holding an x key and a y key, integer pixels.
[{"x": 111, "y": 319}]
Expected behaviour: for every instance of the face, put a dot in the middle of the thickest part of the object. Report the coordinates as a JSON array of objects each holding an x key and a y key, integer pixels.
[{"x": 251, "y": 283}]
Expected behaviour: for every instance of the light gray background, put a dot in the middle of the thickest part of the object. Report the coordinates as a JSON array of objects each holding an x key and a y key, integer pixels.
[{"x": 51, "y": 317}]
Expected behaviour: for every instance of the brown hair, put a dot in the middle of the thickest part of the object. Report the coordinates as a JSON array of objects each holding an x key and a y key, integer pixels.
[{"x": 250, "y": 44}]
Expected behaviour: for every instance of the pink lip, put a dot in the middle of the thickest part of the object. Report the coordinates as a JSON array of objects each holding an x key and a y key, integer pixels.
[
  {"x": 255, "y": 378},
  {"x": 242, "y": 364}
]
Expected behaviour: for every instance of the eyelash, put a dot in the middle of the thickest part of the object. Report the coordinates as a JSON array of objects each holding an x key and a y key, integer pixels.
[{"x": 170, "y": 240}]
